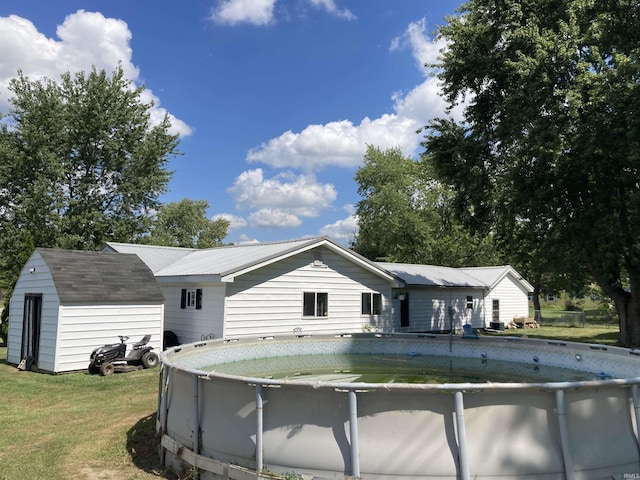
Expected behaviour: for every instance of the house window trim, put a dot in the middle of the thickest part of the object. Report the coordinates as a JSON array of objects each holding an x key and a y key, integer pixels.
[
  {"x": 191, "y": 299},
  {"x": 316, "y": 304},
  {"x": 374, "y": 304},
  {"x": 469, "y": 302}
]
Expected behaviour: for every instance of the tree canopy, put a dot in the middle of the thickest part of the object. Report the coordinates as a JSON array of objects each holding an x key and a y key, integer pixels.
[
  {"x": 185, "y": 224},
  {"x": 407, "y": 216},
  {"x": 547, "y": 153},
  {"x": 80, "y": 162}
]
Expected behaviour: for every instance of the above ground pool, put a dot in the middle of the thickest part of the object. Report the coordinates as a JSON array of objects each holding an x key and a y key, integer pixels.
[{"x": 401, "y": 406}]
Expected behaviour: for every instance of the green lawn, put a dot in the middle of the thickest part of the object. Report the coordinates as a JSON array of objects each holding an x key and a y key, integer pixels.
[{"x": 77, "y": 426}]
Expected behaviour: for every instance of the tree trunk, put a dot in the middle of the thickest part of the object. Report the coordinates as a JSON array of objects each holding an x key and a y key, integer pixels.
[
  {"x": 627, "y": 305},
  {"x": 536, "y": 302}
]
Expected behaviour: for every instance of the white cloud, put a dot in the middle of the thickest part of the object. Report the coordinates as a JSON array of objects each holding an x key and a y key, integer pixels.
[
  {"x": 280, "y": 201},
  {"x": 338, "y": 143},
  {"x": 86, "y": 39},
  {"x": 262, "y": 12},
  {"x": 300, "y": 195},
  {"x": 344, "y": 229},
  {"x": 273, "y": 218},
  {"x": 233, "y": 12},
  {"x": 424, "y": 50},
  {"x": 235, "y": 222},
  {"x": 331, "y": 7},
  {"x": 343, "y": 143}
]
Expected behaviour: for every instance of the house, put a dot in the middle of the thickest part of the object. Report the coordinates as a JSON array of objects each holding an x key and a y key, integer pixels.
[
  {"x": 316, "y": 285},
  {"x": 66, "y": 303},
  {"x": 309, "y": 286},
  {"x": 437, "y": 298}
]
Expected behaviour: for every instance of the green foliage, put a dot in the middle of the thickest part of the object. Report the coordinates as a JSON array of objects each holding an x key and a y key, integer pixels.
[
  {"x": 547, "y": 156},
  {"x": 80, "y": 164},
  {"x": 185, "y": 224},
  {"x": 407, "y": 216}
]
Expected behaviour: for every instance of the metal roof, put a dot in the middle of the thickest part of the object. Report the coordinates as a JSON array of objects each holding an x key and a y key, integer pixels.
[
  {"x": 154, "y": 256},
  {"x": 492, "y": 275},
  {"x": 100, "y": 278},
  {"x": 233, "y": 260},
  {"x": 230, "y": 259},
  {"x": 432, "y": 276},
  {"x": 470, "y": 277}
]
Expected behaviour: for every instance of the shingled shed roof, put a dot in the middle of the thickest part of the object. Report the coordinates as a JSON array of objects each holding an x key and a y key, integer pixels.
[{"x": 101, "y": 278}]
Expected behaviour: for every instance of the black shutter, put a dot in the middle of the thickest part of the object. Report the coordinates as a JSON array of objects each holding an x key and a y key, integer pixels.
[
  {"x": 183, "y": 298},
  {"x": 198, "y": 299}
]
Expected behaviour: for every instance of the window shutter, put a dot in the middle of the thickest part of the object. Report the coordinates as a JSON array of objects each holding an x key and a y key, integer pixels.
[
  {"x": 198, "y": 299},
  {"x": 183, "y": 298}
]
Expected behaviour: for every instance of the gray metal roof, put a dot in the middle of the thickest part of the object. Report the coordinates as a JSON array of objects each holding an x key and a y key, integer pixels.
[
  {"x": 432, "y": 276},
  {"x": 156, "y": 257},
  {"x": 492, "y": 275},
  {"x": 101, "y": 278},
  {"x": 231, "y": 260}
]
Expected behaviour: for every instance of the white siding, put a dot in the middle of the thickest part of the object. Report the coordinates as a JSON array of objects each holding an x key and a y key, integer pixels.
[
  {"x": 429, "y": 309},
  {"x": 38, "y": 282},
  {"x": 269, "y": 301},
  {"x": 514, "y": 300},
  {"x": 192, "y": 325},
  {"x": 84, "y": 328}
]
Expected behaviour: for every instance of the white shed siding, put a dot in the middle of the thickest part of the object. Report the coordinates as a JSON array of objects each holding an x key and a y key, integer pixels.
[
  {"x": 514, "y": 300},
  {"x": 269, "y": 301},
  {"x": 84, "y": 328},
  {"x": 429, "y": 309},
  {"x": 192, "y": 325},
  {"x": 38, "y": 282}
]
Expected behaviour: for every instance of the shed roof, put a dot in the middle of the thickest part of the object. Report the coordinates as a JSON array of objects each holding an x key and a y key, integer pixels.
[
  {"x": 432, "y": 276},
  {"x": 100, "y": 278}
]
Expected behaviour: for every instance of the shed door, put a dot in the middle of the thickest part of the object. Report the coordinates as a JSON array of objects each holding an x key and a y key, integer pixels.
[{"x": 31, "y": 320}]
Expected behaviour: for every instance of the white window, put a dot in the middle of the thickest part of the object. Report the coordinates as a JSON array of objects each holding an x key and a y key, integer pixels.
[
  {"x": 469, "y": 302},
  {"x": 191, "y": 298},
  {"x": 371, "y": 303},
  {"x": 315, "y": 304}
]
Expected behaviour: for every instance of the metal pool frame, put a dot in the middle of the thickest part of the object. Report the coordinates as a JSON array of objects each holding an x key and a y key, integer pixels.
[{"x": 225, "y": 426}]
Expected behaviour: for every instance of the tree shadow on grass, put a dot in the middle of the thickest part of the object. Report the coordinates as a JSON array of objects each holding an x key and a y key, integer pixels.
[{"x": 142, "y": 445}]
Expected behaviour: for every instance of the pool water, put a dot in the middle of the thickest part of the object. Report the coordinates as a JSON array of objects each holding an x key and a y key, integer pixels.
[{"x": 367, "y": 368}]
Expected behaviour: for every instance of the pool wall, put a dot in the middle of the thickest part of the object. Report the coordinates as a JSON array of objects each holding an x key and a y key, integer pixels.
[{"x": 226, "y": 426}]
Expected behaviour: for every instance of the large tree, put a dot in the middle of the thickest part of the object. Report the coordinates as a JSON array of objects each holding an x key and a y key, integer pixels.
[
  {"x": 185, "y": 224},
  {"x": 548, "y": 152},
  {"x": 80, "y": 162},
  {"x": 407, "y": 216}
]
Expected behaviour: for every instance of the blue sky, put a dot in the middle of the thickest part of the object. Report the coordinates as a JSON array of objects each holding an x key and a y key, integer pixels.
[{"x": 275, "y": 100}]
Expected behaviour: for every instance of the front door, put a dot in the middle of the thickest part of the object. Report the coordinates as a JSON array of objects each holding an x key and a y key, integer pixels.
[
  {"x": 31, "y": 320},
  {"x": 404, "y": 310}
]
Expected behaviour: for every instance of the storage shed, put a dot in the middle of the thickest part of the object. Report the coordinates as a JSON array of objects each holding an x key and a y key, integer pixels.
[{"x": 66, "y": 303}]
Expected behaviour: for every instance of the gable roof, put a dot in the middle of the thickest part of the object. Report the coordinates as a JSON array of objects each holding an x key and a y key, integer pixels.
[
  {"x": 432, "y": 276},
  {"x": 494, "y": 275},
  {"x": 467, "y": 277},
  {"x": 100, "y": 278},
  {"x": 225, "y": 263}
]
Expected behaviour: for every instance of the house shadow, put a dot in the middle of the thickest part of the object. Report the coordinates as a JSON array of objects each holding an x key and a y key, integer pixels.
[{"x": 142, "y": 445}]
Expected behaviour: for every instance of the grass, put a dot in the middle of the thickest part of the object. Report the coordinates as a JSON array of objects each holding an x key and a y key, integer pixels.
[
  {"x": 86, "y": 427},
  {"x": 78, "y": 426}
]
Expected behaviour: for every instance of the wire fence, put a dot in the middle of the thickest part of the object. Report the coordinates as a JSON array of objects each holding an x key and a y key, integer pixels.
[{"x": 565, "y": 318}]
